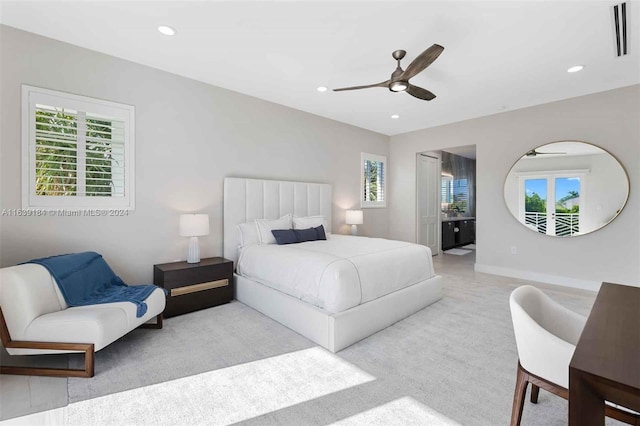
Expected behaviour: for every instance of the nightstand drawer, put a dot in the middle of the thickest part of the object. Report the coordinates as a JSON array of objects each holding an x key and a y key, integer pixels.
[
  {"x": 180, "y": 291},
  {"x": 195, "y": 286}
]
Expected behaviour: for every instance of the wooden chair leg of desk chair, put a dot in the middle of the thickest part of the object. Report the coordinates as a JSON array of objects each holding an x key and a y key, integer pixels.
[
  {"x": 519, "y": 396},
  {"x": 524, "y": 378},
  {"x": 535, "y": 390}
]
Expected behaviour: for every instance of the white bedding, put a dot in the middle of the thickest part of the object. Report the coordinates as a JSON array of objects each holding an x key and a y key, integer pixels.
[{"x": 339, "y": 273}]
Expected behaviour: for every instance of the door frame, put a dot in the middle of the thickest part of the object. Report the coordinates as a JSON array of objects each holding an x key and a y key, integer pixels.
[{"x": 438, "y": 157}]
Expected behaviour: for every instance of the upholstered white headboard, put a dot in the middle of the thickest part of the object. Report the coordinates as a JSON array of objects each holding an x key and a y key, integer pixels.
[{"x": 250, "y": 199}]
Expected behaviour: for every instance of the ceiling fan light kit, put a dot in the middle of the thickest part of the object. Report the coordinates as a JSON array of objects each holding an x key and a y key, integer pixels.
[
  {"x": 399, "y": 81},
  {"x": 398, "y": 86}
]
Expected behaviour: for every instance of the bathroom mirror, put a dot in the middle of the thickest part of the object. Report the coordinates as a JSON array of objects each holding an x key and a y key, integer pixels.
[{"x": 565, "y": 189}]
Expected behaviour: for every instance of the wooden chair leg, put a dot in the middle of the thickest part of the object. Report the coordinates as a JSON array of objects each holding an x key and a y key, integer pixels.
[
  {"x": 89, "y": 360},
  {"x": 535, "y": 390},
  {"x": 157, "y": 325},
  {"x": 519, "y": 396},
  {"x": 87, "y": 348}
]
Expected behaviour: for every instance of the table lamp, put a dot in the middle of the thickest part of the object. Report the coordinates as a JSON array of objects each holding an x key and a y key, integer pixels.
[
  {"x": 354, "y": 218},
  {"x": 194, "y": 226}
]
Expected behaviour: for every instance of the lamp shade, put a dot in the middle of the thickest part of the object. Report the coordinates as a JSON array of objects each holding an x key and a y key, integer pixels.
[
  {"x": 194, "y": 225},
  {"x": 354, "y": 217}
]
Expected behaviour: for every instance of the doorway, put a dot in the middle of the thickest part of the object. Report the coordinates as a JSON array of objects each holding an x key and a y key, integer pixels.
[{"x": 445, "y": 196}]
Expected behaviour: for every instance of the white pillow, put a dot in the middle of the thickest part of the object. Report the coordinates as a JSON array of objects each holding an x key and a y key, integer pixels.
[
  {"x": 247, "y": 234},
  {"x": 307, "y": 222},
  {"x": 265, "y": 226}
]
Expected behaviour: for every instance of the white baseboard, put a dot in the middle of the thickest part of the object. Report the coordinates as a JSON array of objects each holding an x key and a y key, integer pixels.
[{"x": 539, "y": 277}]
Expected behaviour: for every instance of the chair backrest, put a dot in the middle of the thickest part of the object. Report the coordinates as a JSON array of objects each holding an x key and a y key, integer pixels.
[
  {"x": 27, "y": 292},
  {"x": 546, "y": 333},
  {"x": 549, "y": 314}
]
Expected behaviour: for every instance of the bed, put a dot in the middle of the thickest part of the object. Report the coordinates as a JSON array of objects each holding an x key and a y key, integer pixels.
[{"x": 334, "y": 292}]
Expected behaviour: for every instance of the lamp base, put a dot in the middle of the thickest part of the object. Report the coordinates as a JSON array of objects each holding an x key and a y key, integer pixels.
[
  {"x": 193, "y": 255},
  {"x": 354, "y": 229}
]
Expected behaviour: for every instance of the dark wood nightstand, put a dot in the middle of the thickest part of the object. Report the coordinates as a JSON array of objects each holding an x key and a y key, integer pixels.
[{"x": 194, "y": 286}]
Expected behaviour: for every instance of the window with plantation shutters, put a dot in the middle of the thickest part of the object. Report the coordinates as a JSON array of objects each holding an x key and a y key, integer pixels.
[
  {"x": 77, "y": 151},
  {"x": 373, "y": 182}
]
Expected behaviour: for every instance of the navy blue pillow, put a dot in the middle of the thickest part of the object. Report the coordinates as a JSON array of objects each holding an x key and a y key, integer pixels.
[
  {"x": 306, "y": 234},
  {"x": 285, "y": 236},
  {"x": 320, "y": 232}
]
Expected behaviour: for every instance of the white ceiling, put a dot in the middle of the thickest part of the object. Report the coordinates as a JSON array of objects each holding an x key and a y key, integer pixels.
[{"x": 499, "y": 55}]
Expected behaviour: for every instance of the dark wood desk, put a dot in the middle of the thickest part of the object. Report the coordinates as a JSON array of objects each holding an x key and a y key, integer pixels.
[{"x": 606, "y": 362}]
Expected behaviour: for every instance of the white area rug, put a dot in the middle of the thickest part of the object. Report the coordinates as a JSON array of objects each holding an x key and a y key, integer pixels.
[
  {"x": 225, "y": 396},
  {"x": 457, "y": 252},
  {"x": 469, "y": 247}
]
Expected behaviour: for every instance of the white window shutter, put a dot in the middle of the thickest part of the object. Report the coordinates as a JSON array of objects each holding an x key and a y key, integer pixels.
[{"x": 77, "y": 151}]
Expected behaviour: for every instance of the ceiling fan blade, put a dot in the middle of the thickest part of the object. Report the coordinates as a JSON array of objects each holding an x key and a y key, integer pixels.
[
  {"x": 423, "y": 60},
  {"x": 533, "y": 153},
  {"x": 420, "y": 93},
  {"x": 383, "y": 84}
]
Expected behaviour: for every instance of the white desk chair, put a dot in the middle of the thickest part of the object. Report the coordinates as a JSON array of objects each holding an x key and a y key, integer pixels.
[{"x": 546, "y": 335}]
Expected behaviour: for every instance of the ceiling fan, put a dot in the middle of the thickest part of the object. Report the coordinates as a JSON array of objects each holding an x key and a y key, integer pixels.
[
  {"x": 534, "y": 153},
  {"x": 399, "y": 81}
]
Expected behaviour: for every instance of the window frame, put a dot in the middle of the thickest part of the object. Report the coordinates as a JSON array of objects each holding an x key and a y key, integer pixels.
[
  {"x": 31, "y": 96},
  {"x": 365, "y": 204}
]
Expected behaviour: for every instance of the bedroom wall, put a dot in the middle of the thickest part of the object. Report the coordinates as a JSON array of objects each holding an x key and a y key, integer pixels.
[
  {"x": 607, "y": 119},
  {"x": 189, "y": 136}
]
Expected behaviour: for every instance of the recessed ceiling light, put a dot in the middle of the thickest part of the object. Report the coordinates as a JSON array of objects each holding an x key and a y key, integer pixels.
[
  {"x": 394, "y": 116},
  {"x": 576, "y": 68},
  {"x": 166, "y": 30},
  {"x": 321, "y": 89}
]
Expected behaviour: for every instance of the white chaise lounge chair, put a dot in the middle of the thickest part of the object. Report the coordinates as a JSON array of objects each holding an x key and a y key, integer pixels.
[{"x": 35, "y": 319}]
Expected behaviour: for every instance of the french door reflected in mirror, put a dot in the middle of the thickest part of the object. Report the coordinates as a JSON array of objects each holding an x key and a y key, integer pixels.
[{"x": 552, "y": 204}]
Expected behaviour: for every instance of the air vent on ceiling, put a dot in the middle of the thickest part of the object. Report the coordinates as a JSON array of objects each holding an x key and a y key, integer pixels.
[{"x": 620, "y": 28}]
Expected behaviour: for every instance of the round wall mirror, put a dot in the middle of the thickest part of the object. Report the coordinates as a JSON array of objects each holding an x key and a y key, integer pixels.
[{"x": 565, "y": 189}]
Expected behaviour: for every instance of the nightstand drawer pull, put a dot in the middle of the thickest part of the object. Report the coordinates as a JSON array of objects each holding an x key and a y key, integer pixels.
[{"x": 198, "y": 287}]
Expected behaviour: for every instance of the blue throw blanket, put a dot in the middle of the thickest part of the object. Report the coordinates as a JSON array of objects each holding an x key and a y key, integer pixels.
[{"x": 86, "y": 279}]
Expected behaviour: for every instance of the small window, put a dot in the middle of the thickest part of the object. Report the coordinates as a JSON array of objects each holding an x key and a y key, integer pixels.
[
  {"x": 454, "y": 194},
  {"x": 374, "y": 193},
  {"x": 77, "y": 152}
]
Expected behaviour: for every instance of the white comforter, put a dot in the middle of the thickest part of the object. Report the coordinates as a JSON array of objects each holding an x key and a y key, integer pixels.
[{"x": 339, "y": 273}]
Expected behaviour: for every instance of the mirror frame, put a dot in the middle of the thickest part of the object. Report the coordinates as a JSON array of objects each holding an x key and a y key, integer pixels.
[{"x": 619, "y": 211}]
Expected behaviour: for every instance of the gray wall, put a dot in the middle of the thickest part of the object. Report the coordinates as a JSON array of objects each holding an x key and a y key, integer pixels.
[
  {"x": 607, "y": 119},
  {"x": 189, "y": 136}
]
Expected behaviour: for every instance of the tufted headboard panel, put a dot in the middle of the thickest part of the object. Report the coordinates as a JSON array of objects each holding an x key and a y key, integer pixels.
[{"x": 250, "y": 199}]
